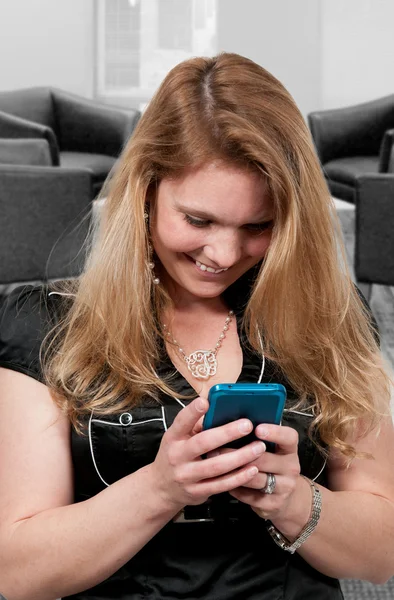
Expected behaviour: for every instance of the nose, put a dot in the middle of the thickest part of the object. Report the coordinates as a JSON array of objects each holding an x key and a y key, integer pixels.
[{"x": 225, "y": 250}]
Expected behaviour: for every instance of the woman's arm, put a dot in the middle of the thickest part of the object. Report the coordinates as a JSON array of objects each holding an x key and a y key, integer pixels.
[
  {"x": 354, "y": 537},
  {"x": 50, "y": 547}
]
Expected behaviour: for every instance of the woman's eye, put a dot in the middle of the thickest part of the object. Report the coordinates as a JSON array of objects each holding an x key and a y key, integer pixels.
[
  {"x": 259, "y": 227},
  {"x": 196, "y": 222}
]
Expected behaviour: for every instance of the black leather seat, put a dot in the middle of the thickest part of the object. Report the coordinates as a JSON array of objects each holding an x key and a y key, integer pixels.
[
  {"x": 353, "y": 141},
  {"x": 81, "y": 133}
]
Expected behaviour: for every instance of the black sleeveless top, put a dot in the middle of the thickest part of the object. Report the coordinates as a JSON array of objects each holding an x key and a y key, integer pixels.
[{"x": 229, "y": 556}]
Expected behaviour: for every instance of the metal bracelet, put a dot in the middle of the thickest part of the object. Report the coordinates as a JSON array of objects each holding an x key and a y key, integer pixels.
[{"x": 306, "y": 531}]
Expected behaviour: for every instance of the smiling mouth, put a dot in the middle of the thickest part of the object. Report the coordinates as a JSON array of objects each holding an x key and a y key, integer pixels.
[{"x": 205, "y": 268}]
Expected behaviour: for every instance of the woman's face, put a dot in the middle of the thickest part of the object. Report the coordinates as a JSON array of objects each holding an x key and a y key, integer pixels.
[{"x": 209, "y": 227}]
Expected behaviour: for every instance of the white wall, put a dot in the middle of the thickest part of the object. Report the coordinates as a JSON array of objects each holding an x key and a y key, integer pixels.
[
  {"x": 357, "y": 51},
  {"x": 47, "y": 42},
  {"x": 327, "y": 53},
  {"x": 282, "y": 36}
]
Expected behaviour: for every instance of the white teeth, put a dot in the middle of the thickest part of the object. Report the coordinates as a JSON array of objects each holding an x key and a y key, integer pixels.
[{"x": 209, "y": 269}]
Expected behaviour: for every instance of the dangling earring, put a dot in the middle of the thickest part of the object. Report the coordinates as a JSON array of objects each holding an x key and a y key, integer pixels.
[{"x": 151, "y": 264}]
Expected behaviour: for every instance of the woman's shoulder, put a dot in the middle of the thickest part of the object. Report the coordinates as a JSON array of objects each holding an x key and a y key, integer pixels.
[{"x": 26, "y": 316}]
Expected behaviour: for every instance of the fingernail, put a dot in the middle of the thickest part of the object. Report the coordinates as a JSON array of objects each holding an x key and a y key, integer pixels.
[
  {"x": 258, "y": 448},
  {"x": 262, "y": 431},
  {"x": 245, "y": 427},
  {"x": 252, "y": 471},
  {"x": 200, "y": 404}
]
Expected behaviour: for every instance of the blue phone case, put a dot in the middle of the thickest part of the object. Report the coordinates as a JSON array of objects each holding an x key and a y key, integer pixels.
[{"x": 259, "y": 402}]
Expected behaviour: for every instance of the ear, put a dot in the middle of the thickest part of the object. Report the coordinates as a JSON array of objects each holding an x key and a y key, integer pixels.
[{"x": 150, "y": 201}]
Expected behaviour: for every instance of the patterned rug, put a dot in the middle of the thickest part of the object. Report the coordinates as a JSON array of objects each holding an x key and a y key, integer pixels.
[{"x": 361, "y": 590}]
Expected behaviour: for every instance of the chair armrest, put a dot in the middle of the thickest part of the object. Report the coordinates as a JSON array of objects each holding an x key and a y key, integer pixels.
[
  {"x": 352, "y": 131},
  {"x": 374, "y": 247},
  {"x": 21, "y": 151},
  {"x": 386, "y": 154},
  {"x": 16, "y": 127},
  {"x": 87, "y": 126},
  {"x": 45, "y": 217}
]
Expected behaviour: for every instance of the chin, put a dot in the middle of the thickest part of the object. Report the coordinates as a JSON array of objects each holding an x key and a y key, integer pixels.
[
  {"x": 209, "y": 295},
  {"x": 211, "y": 291},
  {"x": 202, "y": 289}
]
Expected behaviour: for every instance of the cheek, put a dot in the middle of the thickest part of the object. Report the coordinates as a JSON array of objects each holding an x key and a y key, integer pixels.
[
  {"x": 258, "y": 247},
  {"x": 176, "y": 238}
]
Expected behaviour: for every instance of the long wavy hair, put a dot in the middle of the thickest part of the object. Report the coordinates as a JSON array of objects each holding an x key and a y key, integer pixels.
[{"x": 303, "y": 307}]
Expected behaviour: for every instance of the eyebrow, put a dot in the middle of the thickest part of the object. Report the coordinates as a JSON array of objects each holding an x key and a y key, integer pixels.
[{"x": 202, "y": 214}]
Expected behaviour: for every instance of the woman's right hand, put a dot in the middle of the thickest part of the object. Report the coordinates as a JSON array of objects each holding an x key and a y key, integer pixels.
[{"x": 183, "y": 477}]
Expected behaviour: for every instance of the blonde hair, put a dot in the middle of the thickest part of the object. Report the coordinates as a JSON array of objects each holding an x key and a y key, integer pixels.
[{"x": 103, "y": 354}]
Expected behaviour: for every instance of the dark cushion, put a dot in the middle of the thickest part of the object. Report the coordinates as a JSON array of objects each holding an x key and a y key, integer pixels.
[
  {"x": 33, "y": 104},
  {"x": 374, "y": 247},
  {"x": 345, "y": 170},
  {"x": 98, "y": 164},
  {"x": 34, "y": 152},
  {"x": 343, "y": 191}
]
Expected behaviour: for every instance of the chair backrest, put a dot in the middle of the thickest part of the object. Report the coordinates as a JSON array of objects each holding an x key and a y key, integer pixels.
[
  {"x": 34, "y": 104},
  {"x": 45, "y": 217},
  {"x": 374, "y": 240},
  {"x": 352, "y": 130}
]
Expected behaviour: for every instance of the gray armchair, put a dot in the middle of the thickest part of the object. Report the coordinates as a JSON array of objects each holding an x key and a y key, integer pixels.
[
  {"x": 80, "y": 133},
  {"x": 45, "y": 215},
  {"x": 353, "y": 141},
  {"x": 374, "y": 233}
]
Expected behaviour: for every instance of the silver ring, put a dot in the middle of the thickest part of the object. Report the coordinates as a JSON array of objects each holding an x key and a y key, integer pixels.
[{"x": 270, "y": 485}]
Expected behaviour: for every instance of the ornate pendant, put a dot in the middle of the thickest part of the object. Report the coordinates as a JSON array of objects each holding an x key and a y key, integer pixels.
[{"x": 202, "y": 364}]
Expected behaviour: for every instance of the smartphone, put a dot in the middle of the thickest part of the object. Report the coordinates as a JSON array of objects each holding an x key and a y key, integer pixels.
[{"x": 258, "y": 402}]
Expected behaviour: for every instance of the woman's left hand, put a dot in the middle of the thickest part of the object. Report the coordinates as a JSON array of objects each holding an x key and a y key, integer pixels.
[{"x": 283, "y": 464}]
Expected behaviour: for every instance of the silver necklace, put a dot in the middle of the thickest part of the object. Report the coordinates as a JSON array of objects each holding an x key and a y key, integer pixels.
[{"x": 202, "y": 364}]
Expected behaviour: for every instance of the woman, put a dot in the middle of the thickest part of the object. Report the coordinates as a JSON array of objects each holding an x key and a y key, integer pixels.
[{"x": 218, "y": 234}]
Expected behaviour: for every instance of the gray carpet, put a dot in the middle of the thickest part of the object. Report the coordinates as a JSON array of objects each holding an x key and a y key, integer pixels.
[{"x": 361, "y": 590}]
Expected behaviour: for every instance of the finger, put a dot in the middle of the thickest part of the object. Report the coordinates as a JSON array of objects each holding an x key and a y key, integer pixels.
[
  {"x": 224, "y": 463},
  {"x": 227, "y": 482},
  {"x": 285, "y": 438},
  {"x": 282, "y": 464},
  {"x": 283, "y": 484},
  {"x": 188, "y": 418},
  {"x": 219, "y": 451},
  {"x": 211, "y": 439},
  {"x": 198, "y": 426},
  {"x": 254, "y": 498},
  {"x": 259, "y": 482}
]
